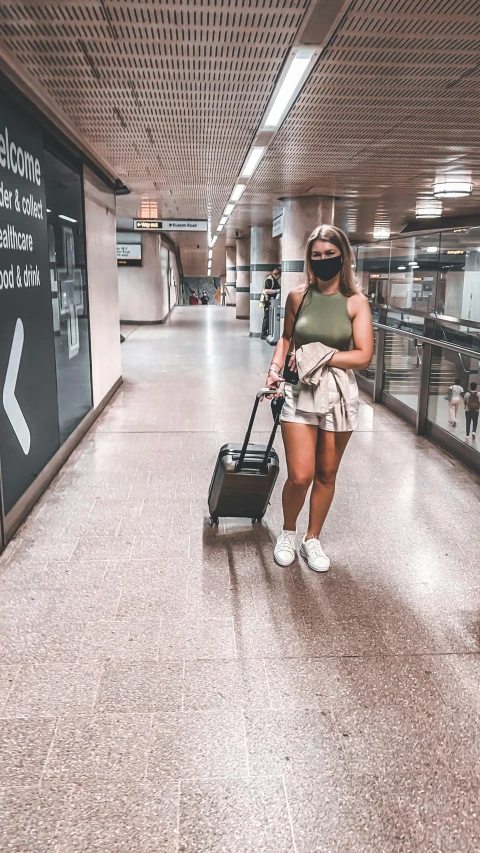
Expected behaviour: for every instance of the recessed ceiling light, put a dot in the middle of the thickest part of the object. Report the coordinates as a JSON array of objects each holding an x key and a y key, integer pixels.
[
  {"x": 381, "y": 232},
  {"x": 238, "y": 192},
  {"x": 432, "y": 250},
  {"x": 428, "y": 208},
  {"x": 295, "y": 75},
  {"x": 210, "y": 253},
  {"x": 402, "y": 268},
  {"x": 452, "y": 185},
  {"x": 48, "y": 210},
  {"x": 223, "y": 220},
  {"x": 229, "y": 209},
  {"x": 252, "y": 161},
  {"x": 220, "y": 227},
  {"x": 67, "y": 218}
]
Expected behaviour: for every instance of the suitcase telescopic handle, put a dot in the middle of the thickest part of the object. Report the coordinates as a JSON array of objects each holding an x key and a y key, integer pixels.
[{"x": 243, "y": 452}]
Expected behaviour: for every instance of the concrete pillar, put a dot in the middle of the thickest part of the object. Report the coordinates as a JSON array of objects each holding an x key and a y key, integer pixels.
[
  {"x": 300, "y": 216},
  {"x": 262, "y": 260},
  {"x": 231, "y": 280},
  {"x": 243, "y": 279}
]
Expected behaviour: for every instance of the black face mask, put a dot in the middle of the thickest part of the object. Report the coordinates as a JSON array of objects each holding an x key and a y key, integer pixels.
[{"x": 328, "y": 268}]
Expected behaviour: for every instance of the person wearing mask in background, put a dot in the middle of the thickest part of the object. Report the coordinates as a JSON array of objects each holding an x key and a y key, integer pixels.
[
  {"x": 204, "y": 298},
  {"x": 327, "y": 315},
  {"x": 454, "y": 397},
  {"x": 193, "y": 300},
  {"x": 472, "y": 407},
  {"x": 271, "y": 289}
]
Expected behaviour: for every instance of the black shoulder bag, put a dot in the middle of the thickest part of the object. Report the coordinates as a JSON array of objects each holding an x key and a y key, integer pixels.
[{"x": 289, "y": 375}]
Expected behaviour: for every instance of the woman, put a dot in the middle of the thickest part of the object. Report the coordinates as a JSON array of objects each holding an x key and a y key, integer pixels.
[
  {"x": 333, "y": 312},
  {"x": 454, "y": 397}
]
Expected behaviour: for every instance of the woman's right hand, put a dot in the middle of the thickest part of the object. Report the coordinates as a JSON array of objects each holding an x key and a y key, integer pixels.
[{"x": 273, "y": 381}]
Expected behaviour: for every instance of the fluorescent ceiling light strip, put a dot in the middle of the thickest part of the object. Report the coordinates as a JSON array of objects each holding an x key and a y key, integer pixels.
[
  {"x": 229, "y": 209},
  {"x": 67, "y": 218},
  {"x": 287, "y": 90},
  {"x": 252, "y": 161},
  {"x": 220, "y": 227},
  {"x": 210, "y": 253},
  {"x": 223, "y": 220},
  {"x": 238, "y": 191}
]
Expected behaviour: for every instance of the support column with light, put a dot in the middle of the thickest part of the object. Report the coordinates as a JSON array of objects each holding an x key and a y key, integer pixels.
[
  {"x": 262, "y": 261},
  {"x": 231, "y": 275},
  {"x": 300, "y": 216}
]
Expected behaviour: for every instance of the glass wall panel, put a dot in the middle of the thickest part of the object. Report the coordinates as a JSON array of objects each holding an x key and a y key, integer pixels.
[
  {"x": 459, "y": 284},
  {"x": 66, "y": 248},
  {"x": 402, "y": 367},
  {"x": 448, "y": 370},
  {"x": 373, "y": 264},
  {"x": 413, "y": 272}
]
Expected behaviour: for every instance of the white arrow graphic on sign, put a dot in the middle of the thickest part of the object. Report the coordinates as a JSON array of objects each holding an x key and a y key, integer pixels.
[{"x": 10, "y": 402}]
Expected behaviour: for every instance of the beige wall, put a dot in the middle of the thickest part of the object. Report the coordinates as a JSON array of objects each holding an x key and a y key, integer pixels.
[
  {"x": 143, "y": 291},
  {"x": 100, "y": 227}
]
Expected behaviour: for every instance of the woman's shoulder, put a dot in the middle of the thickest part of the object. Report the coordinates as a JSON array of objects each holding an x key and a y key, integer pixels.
[
  {"x": 295, "y": 296},
  {"x": 357, "y": 302}
]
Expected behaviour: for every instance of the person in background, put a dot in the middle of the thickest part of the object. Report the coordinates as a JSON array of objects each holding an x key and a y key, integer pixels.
[
  {"x": 454, "y": 397},
  {"x": 472, "y": 407},
  {"x": 193, "y": 300},
  {"x": 204, "y": 298},
  {"x": 271, "y": 289}
]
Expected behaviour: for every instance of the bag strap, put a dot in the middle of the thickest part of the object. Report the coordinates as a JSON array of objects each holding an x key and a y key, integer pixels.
[{"x": 297, "y": 313}]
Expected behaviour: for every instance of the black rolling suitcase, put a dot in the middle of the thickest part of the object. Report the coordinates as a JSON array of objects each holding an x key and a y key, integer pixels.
[{"x": 245, "y": 475}]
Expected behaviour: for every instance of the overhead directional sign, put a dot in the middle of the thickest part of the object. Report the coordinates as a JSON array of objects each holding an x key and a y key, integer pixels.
[
  {"x": 10, "y": 402},
  {"x": 170, "y": 224}
]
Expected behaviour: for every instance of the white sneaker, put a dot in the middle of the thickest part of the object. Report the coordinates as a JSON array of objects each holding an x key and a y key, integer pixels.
[
  {"x": 286, "y": 548},
  {"x": 473, "y": 435},
  {"x": 315, "y": 555}
]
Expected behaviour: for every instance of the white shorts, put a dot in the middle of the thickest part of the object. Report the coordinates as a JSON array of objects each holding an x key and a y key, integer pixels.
[{"x": 327, "y": 422}]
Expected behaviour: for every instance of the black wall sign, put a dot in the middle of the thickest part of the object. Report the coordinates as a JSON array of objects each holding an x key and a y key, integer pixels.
[{"x": 29, "y": 434}]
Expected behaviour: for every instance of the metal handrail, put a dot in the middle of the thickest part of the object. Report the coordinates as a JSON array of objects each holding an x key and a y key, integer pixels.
[
  {"x": 432, "y": 341},
  {"x": 430, "y": 315}
]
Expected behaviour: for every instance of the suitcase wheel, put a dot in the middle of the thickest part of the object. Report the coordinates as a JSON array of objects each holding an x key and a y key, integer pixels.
[
  {"x": 214, "y": 521},
  {"x": 256, "y": 520}
]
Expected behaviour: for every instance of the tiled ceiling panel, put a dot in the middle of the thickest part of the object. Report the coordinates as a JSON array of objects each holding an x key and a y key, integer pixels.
[
  {"x": 393, "y": 98},
  {"x": 170, "y": 93}
]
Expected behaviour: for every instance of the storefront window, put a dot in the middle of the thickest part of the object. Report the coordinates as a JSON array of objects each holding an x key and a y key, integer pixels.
[
  {"x": 66, "y": 248},
  {"x": 44, "y": 329}
]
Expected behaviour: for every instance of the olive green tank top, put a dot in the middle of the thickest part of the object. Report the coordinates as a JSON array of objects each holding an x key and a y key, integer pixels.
[{"x": 324, "y": 319}]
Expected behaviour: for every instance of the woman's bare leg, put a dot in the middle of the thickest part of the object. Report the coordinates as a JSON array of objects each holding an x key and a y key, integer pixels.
[
  {"x": 300, "y": 442},
  {"x": 329, "y": 451}
]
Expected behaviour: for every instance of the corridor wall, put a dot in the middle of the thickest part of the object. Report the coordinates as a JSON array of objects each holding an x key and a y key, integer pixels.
[{"x": 144, "y": 290}]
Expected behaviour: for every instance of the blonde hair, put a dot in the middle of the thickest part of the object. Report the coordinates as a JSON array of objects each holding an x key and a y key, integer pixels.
[{"x": 348, "y": 283}]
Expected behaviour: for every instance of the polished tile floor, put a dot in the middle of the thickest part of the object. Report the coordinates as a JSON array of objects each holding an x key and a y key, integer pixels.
[{"x": 165, "y": 687}]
